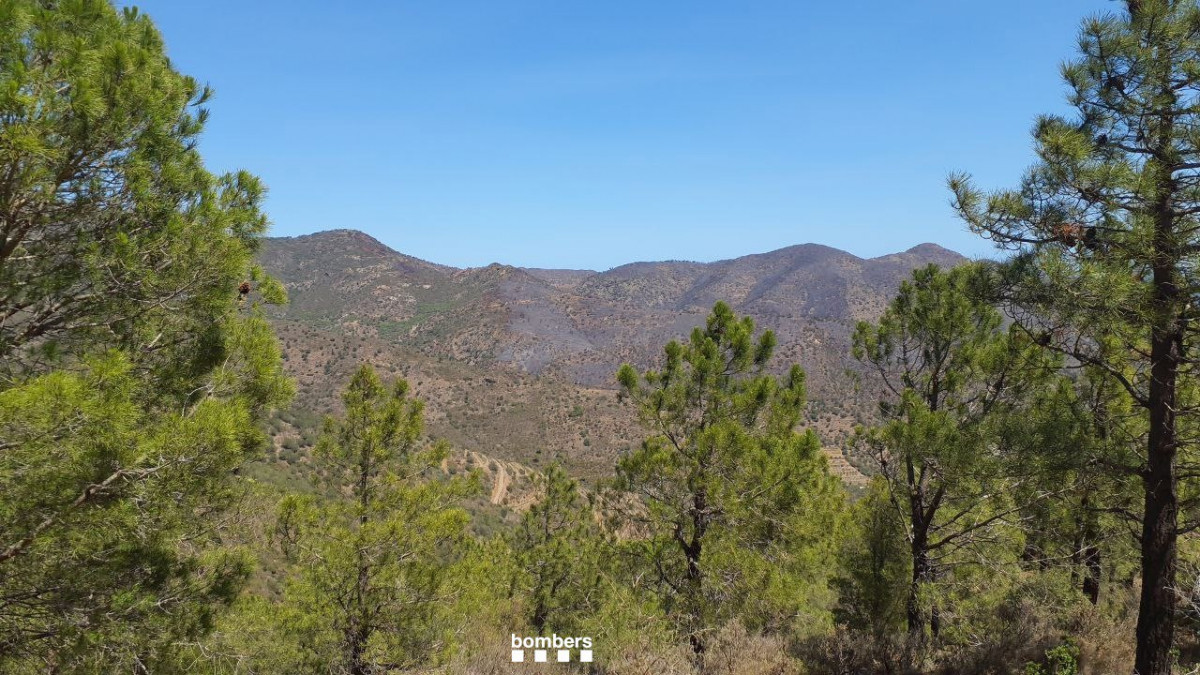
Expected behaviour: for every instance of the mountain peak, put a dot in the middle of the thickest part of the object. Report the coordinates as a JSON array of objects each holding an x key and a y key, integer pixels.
[
  {"x": 927, "y": 253},
  {"x": 930, "y": 249},
  {"x": 344, "y": 236}
]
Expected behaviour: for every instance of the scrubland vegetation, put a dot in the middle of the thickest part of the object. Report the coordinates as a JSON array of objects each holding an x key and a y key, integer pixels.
[{"x": 1034, "y": 493}]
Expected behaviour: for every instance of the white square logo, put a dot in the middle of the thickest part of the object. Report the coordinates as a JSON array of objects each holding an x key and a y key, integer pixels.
[
  {"x": 518, "y": 655},
  {"x": 539, "y": 655},
  {"x": 564, "y": 655},
  {"x": 585, "y": 655}
]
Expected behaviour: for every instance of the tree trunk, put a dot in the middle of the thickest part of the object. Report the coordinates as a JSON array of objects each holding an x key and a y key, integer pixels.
[
  {"x": 1160, "y": 527},
  {"x": 356, "y": 637},
  {"x": 1092, "y": 572},
  {"x": 692, "y": 551},
  {"x": 360, "y": 629},
  {"x": 920, "y": 575},
  {"x": 1087, "y": 552},
  {"x": 540, "y": 612},
  {"x": 541, "y": 608},
  {"x": 1156, "y": 611},
  {"x": 920, "y": 520}
]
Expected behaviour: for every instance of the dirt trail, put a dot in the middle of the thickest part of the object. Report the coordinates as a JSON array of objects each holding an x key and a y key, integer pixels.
[{"x": 500, "y": 489}]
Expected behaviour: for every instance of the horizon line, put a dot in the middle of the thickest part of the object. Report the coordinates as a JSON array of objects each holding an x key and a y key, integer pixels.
[{"x": 376, "y": 239}]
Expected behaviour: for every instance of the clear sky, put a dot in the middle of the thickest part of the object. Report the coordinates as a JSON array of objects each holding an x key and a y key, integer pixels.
[{"x": 555, "y": 133}]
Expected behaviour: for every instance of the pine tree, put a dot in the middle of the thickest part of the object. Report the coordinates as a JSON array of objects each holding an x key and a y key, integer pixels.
[
  {"x": 736, "y": 509},
  {"x": 1063, "y": 443},
  {"x": 1105, "y": 225},
  {"x": 950, "y": 372},
  {"x": 373, "y": 566},
  {"x": 131, "y": 378},
  {"x": 874, "y": 583},
  {"x": 558, "y": 547}
]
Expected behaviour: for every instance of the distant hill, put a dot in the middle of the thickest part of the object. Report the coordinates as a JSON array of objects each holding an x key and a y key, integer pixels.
[{"x": 540, "y": 346}]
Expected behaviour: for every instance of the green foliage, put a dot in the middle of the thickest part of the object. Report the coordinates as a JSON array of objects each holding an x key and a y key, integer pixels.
[
  {"x": 374, "y": 570},
  {"x": 559, "y": 548},
  {"x": 736, "y": 511},
  {"x": 1061, "y": 660},
  {"x": 1104, "y": 227},
  {"x": 132, "y": 382},
  {"x": 1076, "y": 510},
  {"x": 115, "y": 234},
  {"x": 393, "y": 330},
  {"x": 873, "y": 587},
  {"x": 951, "y": 375},
  {"x": 161, "y": 469}
]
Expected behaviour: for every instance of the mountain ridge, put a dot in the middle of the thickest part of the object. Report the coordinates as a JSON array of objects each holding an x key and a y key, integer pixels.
[
  {"x": 516, "y": 362},
  {"x": 367, "y": 240}
]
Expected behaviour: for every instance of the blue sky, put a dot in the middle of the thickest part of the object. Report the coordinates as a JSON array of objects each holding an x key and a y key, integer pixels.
[{"x": 589, "y": 134}]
